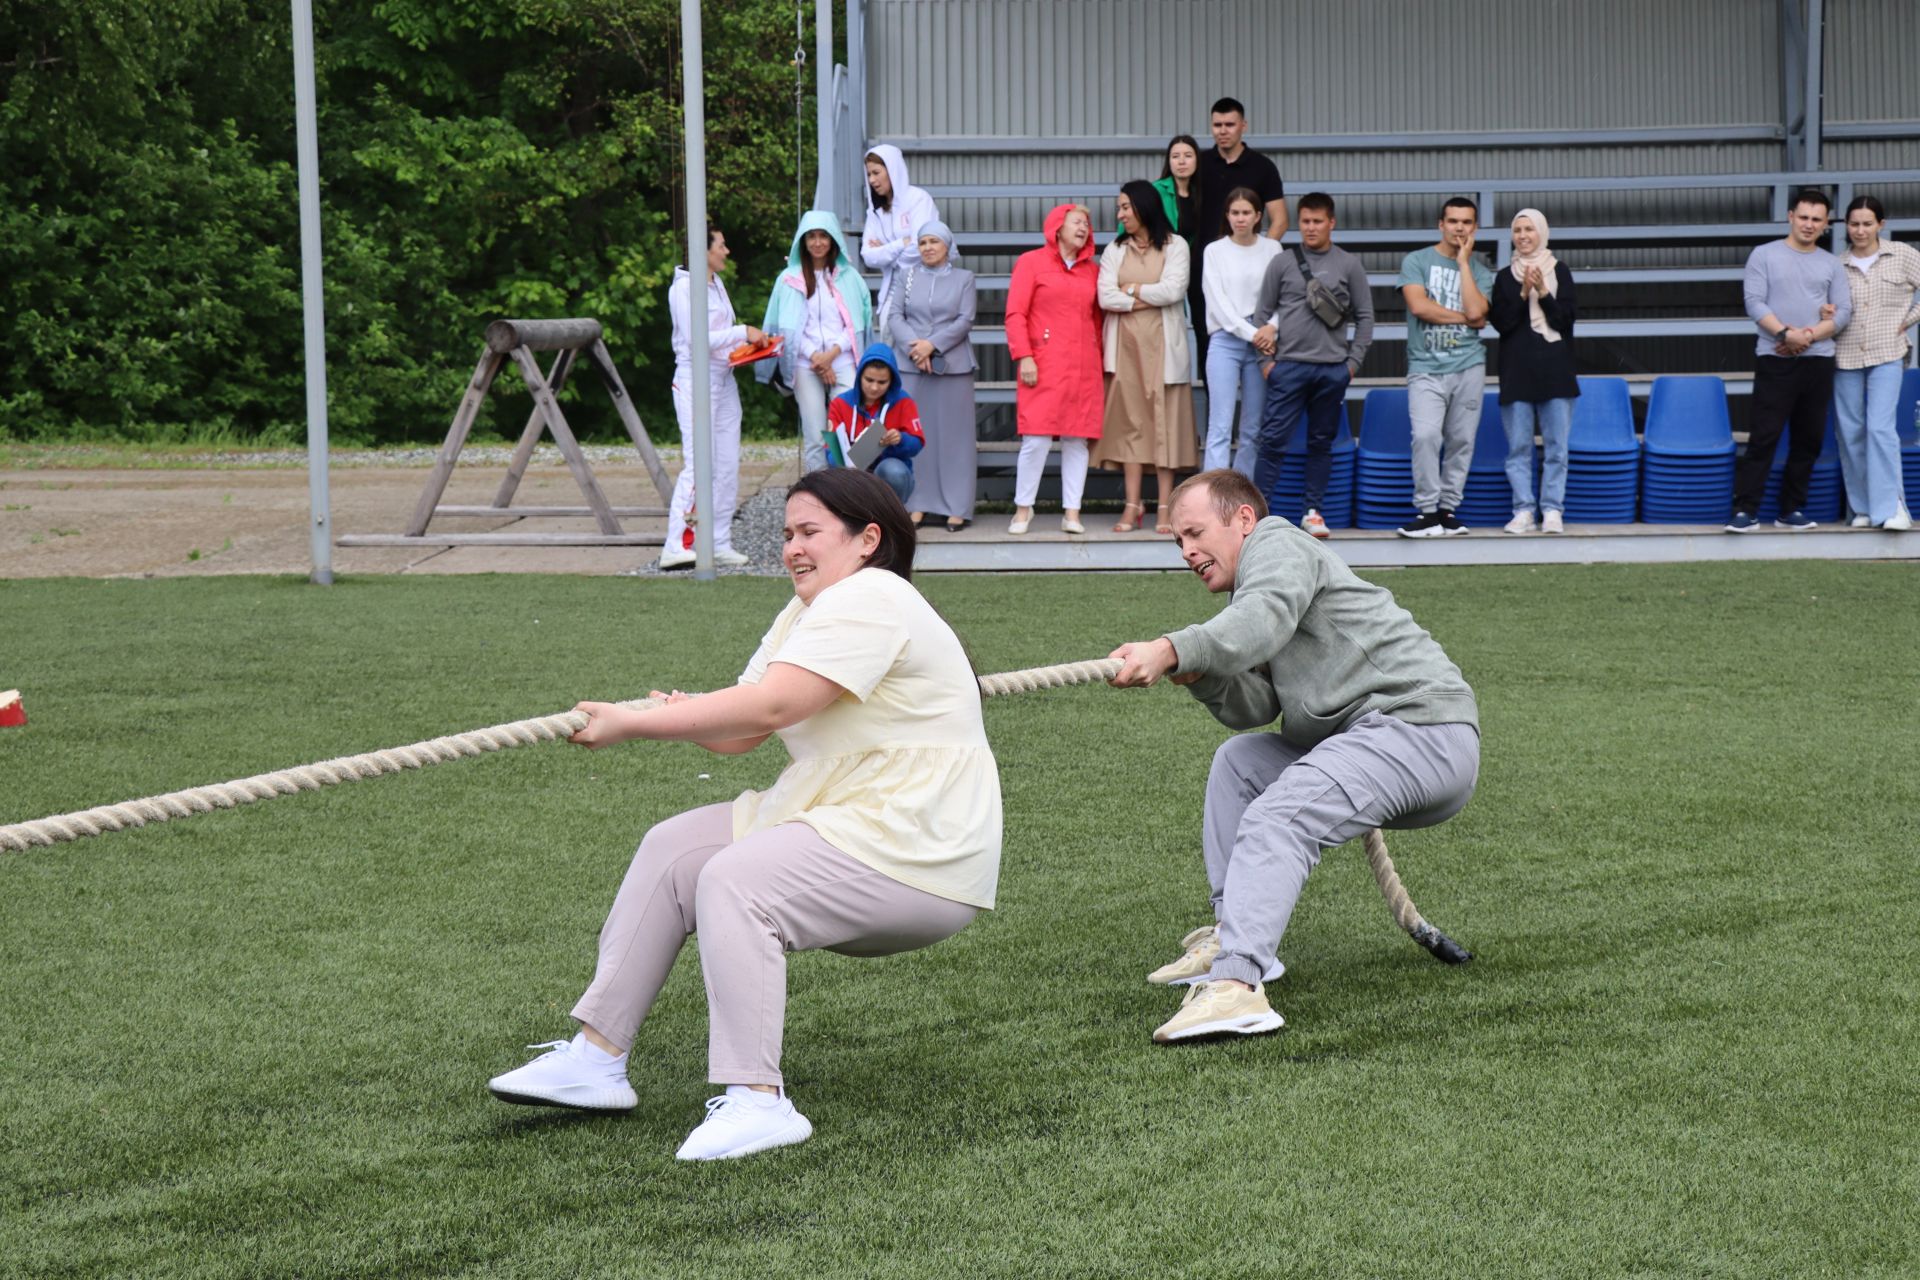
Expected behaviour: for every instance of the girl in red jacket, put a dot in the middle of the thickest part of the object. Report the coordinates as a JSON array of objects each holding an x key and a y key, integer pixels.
[
  {"x": 877, "y": 403},
  {"x": 1053, "y": 334}
]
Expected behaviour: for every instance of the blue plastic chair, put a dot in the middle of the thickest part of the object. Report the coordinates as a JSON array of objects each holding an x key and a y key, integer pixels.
[
  {"x": 1603, "y": 419},
  {"x": 1386, "y": 426},
  {"x": 1687, "y": 417}
]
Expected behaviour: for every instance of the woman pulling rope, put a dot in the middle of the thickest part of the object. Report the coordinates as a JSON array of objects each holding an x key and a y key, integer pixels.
[{"x": 883, "y": 835}]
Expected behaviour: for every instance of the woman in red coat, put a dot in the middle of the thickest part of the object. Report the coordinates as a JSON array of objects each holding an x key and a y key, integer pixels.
[{"x": 1053, "y": 334}]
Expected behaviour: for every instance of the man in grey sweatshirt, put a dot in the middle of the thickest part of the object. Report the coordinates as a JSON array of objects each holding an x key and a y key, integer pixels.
[
  {"x": 1305, "y": 304},
  {"x": 1378, "y": 728}
]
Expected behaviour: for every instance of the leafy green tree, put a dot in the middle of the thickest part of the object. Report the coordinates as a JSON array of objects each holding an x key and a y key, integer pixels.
[{"x": 514, "y": 158}]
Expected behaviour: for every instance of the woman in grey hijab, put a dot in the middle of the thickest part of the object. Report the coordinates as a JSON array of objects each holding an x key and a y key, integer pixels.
[{"x": 931, "y": 317}]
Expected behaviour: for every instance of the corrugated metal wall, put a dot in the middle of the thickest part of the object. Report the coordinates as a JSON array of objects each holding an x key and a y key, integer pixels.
[
  {"x": 1872, "y": 63},
  {"x": 1090, "y": 67}
]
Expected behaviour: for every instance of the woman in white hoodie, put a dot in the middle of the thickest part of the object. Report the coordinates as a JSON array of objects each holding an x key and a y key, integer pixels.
[
  {"x": 723, "y": 335},
  {"x": 896, "y": 210}
]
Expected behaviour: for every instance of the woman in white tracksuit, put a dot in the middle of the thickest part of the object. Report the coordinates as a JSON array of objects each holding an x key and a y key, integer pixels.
[
  {"x": 723, "y": 335},
  {"x": 896, "y": 210}
]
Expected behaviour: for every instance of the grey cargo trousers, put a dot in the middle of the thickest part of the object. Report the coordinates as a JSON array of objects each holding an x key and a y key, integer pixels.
[{"x": 1272, "y": 808}]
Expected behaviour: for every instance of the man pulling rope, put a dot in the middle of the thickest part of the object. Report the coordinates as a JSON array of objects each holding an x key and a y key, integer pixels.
[{"x": 1377, "y": 728}]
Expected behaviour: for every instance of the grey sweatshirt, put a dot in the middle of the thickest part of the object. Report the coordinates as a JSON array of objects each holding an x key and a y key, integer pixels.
[
  {"x": 1792, "y": 286},
  {"x": 1283, "y": 303},
  {"x": 1306, "y": 641}
]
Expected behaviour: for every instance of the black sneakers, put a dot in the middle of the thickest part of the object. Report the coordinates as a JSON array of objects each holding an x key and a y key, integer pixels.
[{"x": 1432, "y": 524}]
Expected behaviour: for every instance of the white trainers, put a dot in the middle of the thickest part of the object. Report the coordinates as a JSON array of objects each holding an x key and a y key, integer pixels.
[
  {"x": 740, "y": 1122},
  {"x": 1900, "y": 522},
  {"x": 675, "y": 558},
  {"x": 1314, "y": 523},
  {"x": 1202, "y": 947},
  {"x": 1861, "y": 520},
  {"x": 1220, "y": 1008},
  {"x": 730, "y": 558},
  {"x": 1552, "y": 522},
  {"x": 568, "y": 1076},
  {"x": 1522, "y": 522},
  {"x": 1018, "y": 527}
]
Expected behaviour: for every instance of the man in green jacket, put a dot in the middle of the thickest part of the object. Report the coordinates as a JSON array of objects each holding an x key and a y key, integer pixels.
[{"x": 1377, "y": 729}]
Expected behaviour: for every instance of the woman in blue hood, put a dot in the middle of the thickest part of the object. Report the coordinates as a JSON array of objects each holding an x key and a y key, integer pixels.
[{"x": 824, "y": 316}]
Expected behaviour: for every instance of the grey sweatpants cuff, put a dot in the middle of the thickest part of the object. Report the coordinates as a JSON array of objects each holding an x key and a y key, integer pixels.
[{"x": 1238, "y": 968}]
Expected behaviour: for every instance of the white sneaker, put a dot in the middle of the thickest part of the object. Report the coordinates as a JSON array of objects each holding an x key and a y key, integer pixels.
[
  {"x": 567, "y": 1076},
  {"x": 740, "y": 1122},
  {"x": 730, "y": 558},
  {"x": 1551, "y": 522},
  {"x": 1522, "y": 522},
  {"x": 1860, "y": 521},
  {"x": 1220, "y": 1008},
  {"x": 1315, "y": 524},
  {"x": 1900, "y": 522},
  {"x": 1018, "y": 526},
  {"x": 675, "y": 558}
]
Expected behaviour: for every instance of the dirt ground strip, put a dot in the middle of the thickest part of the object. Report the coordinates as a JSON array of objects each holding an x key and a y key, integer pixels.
[{"x": 230, "y": 519}]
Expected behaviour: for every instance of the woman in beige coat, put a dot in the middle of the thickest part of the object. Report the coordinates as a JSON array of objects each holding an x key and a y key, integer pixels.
[{"x": 1149, "y": 409}]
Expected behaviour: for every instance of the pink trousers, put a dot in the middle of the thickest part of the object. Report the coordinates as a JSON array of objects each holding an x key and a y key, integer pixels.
[{"x": 751, "y": 901}]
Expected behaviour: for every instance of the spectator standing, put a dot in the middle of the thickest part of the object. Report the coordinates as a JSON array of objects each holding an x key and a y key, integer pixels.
[
  {"x": 896, "y": 210},
  {"x": 1533, "y": 312},
  {"x": 1053, "y": 335},
  {"x": 1869, "y": 355},
  {"x": 1446, "y": 291},
  {"x": 1149, "y": 400},
  {"x": 1179, "y": 188},
  {"x": 1308, "y": 298},
  {"x": 1787, "y": 283},
  {"x": 1235, "y": 265},
  {"x": 1230, "y": 163},
  {"x": 709, "y": 362},
  {"x": 824, "y": 316},
  {"x": 878, "y": 403},
  {"x": 933, "y": 311}
]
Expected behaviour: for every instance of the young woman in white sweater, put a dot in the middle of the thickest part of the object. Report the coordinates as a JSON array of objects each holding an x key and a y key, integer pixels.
[{"x": 1235, "y": 265}]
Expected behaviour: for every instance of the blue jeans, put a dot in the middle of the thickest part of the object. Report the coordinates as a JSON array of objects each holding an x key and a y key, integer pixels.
[
  {"x": 897, "y": 474},
  {"x": 1233, "y": 372},
  {"x": 1869, "y": 438},
  {"x": 1555, "y": 420},
  {"x": 1320, "y": 389}
]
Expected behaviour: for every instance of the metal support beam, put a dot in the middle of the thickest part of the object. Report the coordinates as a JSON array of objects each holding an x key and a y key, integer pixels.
[
  {"x": 1815, "y": 81},
  {"x": 693, "y": 82},
  {"x": 1793, "y": 82},
  {"x": 828, "y": 163},
  {"x": 313, "y": 310}
]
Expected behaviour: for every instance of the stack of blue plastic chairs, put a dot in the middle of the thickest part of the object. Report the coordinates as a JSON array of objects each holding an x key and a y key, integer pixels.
[
  {"x": 1488, "y": 498},
  {"x": 1906, "y": 416},
  {"x": 1686, "y": 474},
  {"x": 1826, "y": 494},
  {"x": 1336, "y": 505},
  {"x": 1603, "y": 457},
  {"x": 1383, "y": 463}
]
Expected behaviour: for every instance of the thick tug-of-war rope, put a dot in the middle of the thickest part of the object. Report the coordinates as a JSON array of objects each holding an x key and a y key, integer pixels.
[{"x": 22, "y": 836}]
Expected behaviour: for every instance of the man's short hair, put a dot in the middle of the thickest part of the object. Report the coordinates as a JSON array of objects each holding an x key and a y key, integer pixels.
[
  {"x": 1317, "y": 200},
  {"x": 1228, "y": 106},
  {"x": 1228, "y": 490},
  {"x": 1459, "y": 202},
  {"x": 1810, "y": 195}
]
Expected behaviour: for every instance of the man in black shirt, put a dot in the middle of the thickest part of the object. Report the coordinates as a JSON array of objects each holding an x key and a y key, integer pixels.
[{"x": 1228, "y": 164}]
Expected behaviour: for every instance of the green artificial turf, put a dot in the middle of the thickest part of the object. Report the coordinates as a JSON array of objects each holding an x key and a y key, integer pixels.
[{"x": 255, "y": 1044}]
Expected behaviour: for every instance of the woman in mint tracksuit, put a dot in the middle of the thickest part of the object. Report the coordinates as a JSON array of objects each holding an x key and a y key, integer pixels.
[{"x": 823, "y": 314}]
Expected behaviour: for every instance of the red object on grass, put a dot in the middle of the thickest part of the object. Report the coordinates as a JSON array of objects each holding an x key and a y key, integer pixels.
[{"x": 12, "y": 710}]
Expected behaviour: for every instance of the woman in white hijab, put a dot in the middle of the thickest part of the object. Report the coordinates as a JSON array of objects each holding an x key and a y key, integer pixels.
[
  {"x": 896, "y": 210},
  {"x": 931, "y": 315},
  {"x": 1533, "y": 310}
]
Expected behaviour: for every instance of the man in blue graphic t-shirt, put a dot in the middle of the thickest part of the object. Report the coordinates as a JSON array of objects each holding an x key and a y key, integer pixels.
[{"x": 1446, "y": 290}]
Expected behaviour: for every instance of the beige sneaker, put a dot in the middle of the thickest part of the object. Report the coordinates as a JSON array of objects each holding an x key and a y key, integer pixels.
[
  {"x": 1202, "y": 946},
  {"x": 1220, "y": 1008}
]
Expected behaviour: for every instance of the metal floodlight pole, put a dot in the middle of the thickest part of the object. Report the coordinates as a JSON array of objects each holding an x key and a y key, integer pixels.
[
  {"x": 826, "y": 163},
  {"x": 314, "y": 311},
  {"x": 694, "y": 93}
]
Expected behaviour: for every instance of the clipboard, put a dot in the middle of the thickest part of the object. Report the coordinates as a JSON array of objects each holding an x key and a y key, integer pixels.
[
  {"x": 754, "y": 352},
  {"x": 865, "y": 449}
]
